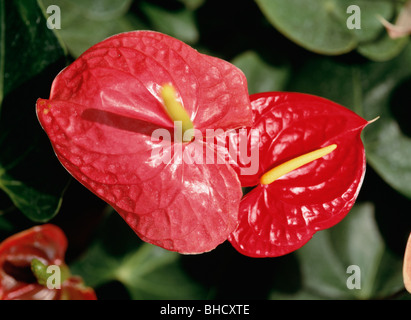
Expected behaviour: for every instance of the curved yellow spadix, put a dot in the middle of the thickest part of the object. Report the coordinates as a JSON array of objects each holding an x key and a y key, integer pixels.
[
  {"x": 175, "y": 110},
  {"x": 288, "y": 166}
]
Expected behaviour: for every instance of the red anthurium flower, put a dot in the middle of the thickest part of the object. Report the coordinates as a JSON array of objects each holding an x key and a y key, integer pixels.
[
  {"x": 112, "y": 120},
  {"x": 24, "y": 261},
  {"x": 311, "y": 166}
]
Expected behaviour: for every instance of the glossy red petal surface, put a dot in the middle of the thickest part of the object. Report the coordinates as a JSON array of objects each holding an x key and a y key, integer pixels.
[
  {"x": 189, "y": 208},
  {"x": 48, "y": 239},
  {"x": 100, "y": 117},
  {"x": 123, "y": 74},
  {"x": 278, "y": 218}
]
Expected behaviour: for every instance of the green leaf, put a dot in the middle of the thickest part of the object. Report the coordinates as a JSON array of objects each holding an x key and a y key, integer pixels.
[
  {"x": 317, "y": 25},
  {"x": 321, "y": 25},
  {"x": 192, "y": 4},
  {"x": 102, "y": 10},
  {"x": 85, "y": 23},
  {"x": 146, "y": 271},
  {"x": 355, "y": 241},
  {"x": 179, "y": 24},
  {"x": 29, "y": 172},
  {"x": 370, "y": 89},
  {"x": 27, "y": 46},
  {"x": 386, "y": 91},
  {"x": 261, "y": 76},
  {"x": 383, "y": 48}
]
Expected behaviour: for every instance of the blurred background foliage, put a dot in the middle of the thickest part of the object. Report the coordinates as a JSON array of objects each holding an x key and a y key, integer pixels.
[{"x": 294, "y": 45}]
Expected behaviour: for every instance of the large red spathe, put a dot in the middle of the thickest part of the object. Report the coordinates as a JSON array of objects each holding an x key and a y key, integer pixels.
[
  {"x": 102, "y": 111},
  {"x": 280, "y": 217}
]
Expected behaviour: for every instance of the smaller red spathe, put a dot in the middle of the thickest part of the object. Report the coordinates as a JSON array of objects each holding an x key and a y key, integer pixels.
[{"x": 280, "y": 217}]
